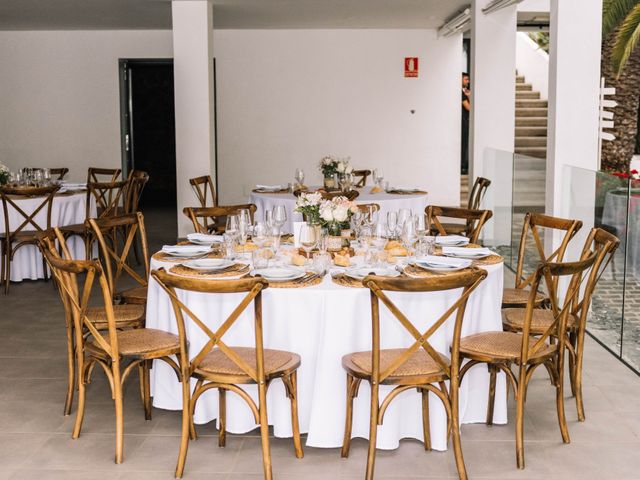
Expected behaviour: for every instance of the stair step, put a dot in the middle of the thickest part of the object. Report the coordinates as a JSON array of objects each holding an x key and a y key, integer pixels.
[
  {"x": 530, "y": 175},
  {"x": 519, "y": 78},
  {"x": 523, "y": 95},
  {"x": 531, "y": 121},
  {"x": 523, "y": 87},
  {"x": 538, "y": 152},
  {"x": 531, "y": 112},
  {"x": 531, "y": 131},
  {"x": 530, "y": 141},
  {"x": 524, "y": 163},
  {"x": 531, "y": 103}
]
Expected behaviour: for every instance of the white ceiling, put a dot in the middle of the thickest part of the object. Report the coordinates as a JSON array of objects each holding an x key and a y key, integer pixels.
[{"x": 257, "y": 14}]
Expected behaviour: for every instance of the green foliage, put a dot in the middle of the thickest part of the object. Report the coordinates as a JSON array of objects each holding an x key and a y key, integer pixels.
[
  {"x": 541, "y": 38},
  {"x": 622, "y": 19},
  {"x": 613, "y": 13}
]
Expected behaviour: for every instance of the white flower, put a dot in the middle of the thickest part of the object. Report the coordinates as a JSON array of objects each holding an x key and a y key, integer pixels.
[
  {"x": 340, "y": 167},
  {"x": 341, "y": 213},
  {"x": 3, "y": 168},
  {"x": 348, "y": 169},
  {"x": 326, "y": 212}
]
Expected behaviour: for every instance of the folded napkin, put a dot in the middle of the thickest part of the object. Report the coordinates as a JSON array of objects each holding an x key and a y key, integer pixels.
[
  {"x": 437, "y": 261},
  {"x": 466, "y": 251},
  {"x": 202, "y": 237},
  {"x": 270, "y": 187},
  {"x": 185, "y": 249},
  {"x": 74, "y": 185},
  {"x": 451, "y": 239}
]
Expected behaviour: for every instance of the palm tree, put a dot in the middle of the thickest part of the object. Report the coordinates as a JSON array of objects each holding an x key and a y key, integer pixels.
[{"x": 621, "y": 69}]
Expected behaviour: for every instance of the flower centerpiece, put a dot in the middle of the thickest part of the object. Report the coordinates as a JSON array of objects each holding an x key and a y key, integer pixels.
[
  {"x": 330, "y": 166},
  {"x": 4, "y": 174},
  {"x": 335, "y": 214},
  {"x": 308, "y": 204}
]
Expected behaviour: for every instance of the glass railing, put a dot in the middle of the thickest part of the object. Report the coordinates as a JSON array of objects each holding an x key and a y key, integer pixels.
[{"x": 597, "y": 199}]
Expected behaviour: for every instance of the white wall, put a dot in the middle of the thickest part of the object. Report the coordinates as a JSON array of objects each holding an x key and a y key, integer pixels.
[
  {"x": 59, "y": 95},
  {"x": 533, "y": 63},
  {"x": 287, "y": 98}
]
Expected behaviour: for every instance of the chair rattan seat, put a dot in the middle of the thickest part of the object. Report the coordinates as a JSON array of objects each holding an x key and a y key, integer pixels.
[
  {"x": 518, "y": 297},
  {"x": 513, "y": 320},
  {"x": 140, "y": 342},
  {"x": 125, "y": 316},
  {"x": 137, "y": 295},
  {"x": 505, "y": 346},
  {"x": 418, "y": 364},
  {"x": 276, "y": 362}
]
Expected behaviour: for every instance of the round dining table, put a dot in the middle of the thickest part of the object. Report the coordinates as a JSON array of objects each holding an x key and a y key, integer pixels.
[
  {"x": 68, "y": 208},
  {"x": 321, "y": 323},
  {"x": 416, "y": 202}
]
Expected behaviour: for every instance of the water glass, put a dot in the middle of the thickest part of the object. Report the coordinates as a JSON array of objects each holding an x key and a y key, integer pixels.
[
  {"x": 260, "y": 234},
  {"x": 322, "y": 240},
  {"x": 260, "y": 258},
  {"x": 321, "y": 262},
  {"x": 230, "y": 245},
  {"x": 409, "y": 235},
  {"x": 420, "y": 221},
  {"x": 279, "y": 216},
  {"x": 274, "y": 239},
  {"x": 268, "y": 218},
  {"x": 299, "y": 176},
  {"x": 46, "y": 176},
  {"x": 403, "y": 215}
]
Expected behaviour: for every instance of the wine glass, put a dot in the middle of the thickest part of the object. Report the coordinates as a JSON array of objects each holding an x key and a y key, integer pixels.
[
  {"x": 260, "y": 234},
  {"x": 372, "y": 215},
  {"x": 403, "y": 215},
  {"x": 279, "y": 216},
  {"x": 46, "y": 176},
  {"x": 308, "y": 237},
  {"x": 392, "y": 223},
  {"x": 232, "y": 227},
  {"x": 379, "y": 239},
  {"x": 409, "y": 235},
  {"x": 322, "y": 240},
  {"x": 378, "y": 177},
  {"x": 274, "y": 239},
  {"x": 421, "y": 225},
  {"x": 299, "y": 176},
  {"x": 268, "y": 218}
]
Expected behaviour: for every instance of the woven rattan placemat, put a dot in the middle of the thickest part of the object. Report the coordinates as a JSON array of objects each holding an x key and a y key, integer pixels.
[{"x": 233, "y": 271}]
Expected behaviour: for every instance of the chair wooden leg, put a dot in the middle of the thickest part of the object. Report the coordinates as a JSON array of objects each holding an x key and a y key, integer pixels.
[
  {"x": 222, "y": 416},
  {"x": 493, "y": 371},
  {"x": 146, "y": 388},
  {"x": 346, "y": 441},
  {"x": 562, "y": 420},
  {"x": 426, "y": 428},
  {"x": 295, "y": 425},
  {"x": 7, "y": 267},
  {"x": 373, "y": 432},
  {"x": 264, "y": 432},
  {"x": 520, "y": 399},
  {"x": 187, "y": 421},
  {"x": 572, "y": 364},
  {"x": 71, "y": 372},
  {"x": 81, "y": 402},
  {"x": 578, "y": 377},
  {"x": 455, "y": 428},
  {"x": 119, "y": 419}
]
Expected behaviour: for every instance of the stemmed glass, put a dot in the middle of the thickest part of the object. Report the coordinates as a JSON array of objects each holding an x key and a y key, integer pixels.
[
  {"x": 309, "y": 237},
  {"x": 421, "y": 225},
  {"x": 403, "y": 215},
  {"x": 392, "y": 223},
  {"x": 244, "y": 226},
  {"x": 232, "y": 231},
  {"x": 379, "y": 240},
  {"x": 268, "y": 218},
  {"x": 46, "y": 176},
  {"x": 322, "y": 240},
  {"x": 299, "y": 176},
  {"x": 279, "y": 216},
  {"x": 378, "y": 177},
  {"x": 409, "y": 235},
  {"x": 274, "y": 240},
  {"x": 372, "y": 216}
]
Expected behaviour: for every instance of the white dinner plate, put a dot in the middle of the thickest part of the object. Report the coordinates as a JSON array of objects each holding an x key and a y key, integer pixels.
[
  {"x": 208, "y": 264},
  {"x": 359, "y": 273},
  {"x": 278, "y": 274},
  {"x": 185, "y": 251},
  {"x": 451, "y": 240},
  {"x": 471, "y": 253},
  {"x": 442, "y": 265},
  {"x": 203, "y": 239}
]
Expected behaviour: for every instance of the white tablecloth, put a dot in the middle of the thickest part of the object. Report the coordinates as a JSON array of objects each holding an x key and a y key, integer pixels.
[
  {"x": 66, "y": 210},
  {"x": 321, "y": 324},
  {"x": 387, "y": 201},
  {"x": 615, "y": 215}
]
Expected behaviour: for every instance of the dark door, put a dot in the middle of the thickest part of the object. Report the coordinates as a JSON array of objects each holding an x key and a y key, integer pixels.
[{"x": 148, "y": 127}]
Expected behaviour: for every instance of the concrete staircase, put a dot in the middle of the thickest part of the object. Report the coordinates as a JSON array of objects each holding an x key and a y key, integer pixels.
[{"x": 530, "y": 140}]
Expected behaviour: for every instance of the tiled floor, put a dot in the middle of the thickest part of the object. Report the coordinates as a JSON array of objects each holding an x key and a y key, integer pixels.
[{"x": 35, "y": 440}]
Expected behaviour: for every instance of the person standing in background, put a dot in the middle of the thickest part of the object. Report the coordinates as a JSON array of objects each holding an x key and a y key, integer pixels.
[{"x": 466, "y": 107}]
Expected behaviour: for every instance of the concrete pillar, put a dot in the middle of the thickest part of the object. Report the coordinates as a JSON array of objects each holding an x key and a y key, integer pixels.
[
  {"x": 193, "y": 84},
  {"x": 574, "y": 82},
  {"x": 493, "y": 70}
]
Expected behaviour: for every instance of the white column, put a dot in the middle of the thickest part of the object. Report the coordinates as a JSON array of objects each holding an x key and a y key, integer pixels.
[
  {"x": 574, "y": 82},
  {"x": 493, "y": 70},
  {"x": 193, "y": 85}
]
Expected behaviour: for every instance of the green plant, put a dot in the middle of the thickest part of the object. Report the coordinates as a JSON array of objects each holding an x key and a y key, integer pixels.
[{"x": 623, "y": 18}]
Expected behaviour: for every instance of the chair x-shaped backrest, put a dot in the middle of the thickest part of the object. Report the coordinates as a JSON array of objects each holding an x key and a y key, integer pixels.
[
  {"x": 477, "y": 192},
  {"x": 252, "y": 287},
  {"x": 533, "y": 224},
  {"x": 475, "y": 219},
  {"x": 94, "y": 175},
  {"x": 204, "y": 189},
  {"x": 580, "y": 272},
  {"x": 108, "y": 197},
  {"x": 76, "y": 298},
  {"x": 115, "y": 259},
  {"x": 363, "y": 174},
  {"x": 27, "y": 220},
  {"x": 206, "y": 219},
  {"x": 377, "y": 285},
  {"x": 136, "y": 182}
]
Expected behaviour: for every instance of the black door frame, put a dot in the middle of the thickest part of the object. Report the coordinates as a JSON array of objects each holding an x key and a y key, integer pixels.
[{"x": 126, "y": 130}]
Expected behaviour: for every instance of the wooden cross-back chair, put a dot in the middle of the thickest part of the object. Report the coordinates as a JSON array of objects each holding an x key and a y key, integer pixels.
[
  {"x": 126, "y": 316},
  {"x": 364, "y": 207},
  {"x": 115, "y": 255},
  {"x": 474, "y": 220},
  {"x": 211, "y": 219},
  {"x": 604, "y": 244},
  {"x": 136, "y": 182},
  {"x": 418, "y": 366},
  {"x": 204, "y": 190},
  {"x": 24, "y": 230},
  {"x": 108, "y": 199},
  {"x": 534, "y": 225},
  {"x": 221, "y": 366},
  {"x": 478, "y": 190},
  {"x": 103, "y": 175},
  {"x": 350, "y": 195},
  {"x": 361, "y": 177},
  {"x": 118, "y": 352},
  {"x": 500, "y": 351}
]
